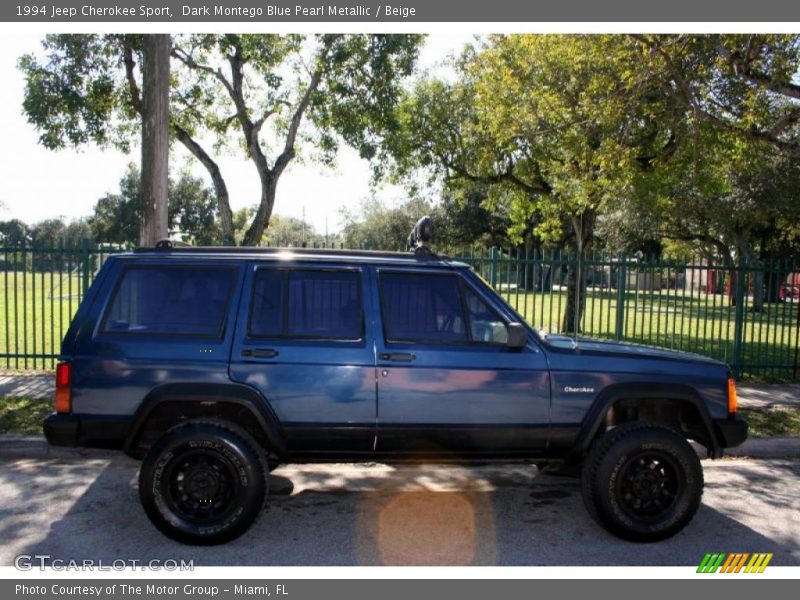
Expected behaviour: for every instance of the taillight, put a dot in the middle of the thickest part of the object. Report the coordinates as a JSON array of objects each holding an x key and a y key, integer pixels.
[
  {"x": 63, "y": 398},
  {"x": 732, "y": 400}
]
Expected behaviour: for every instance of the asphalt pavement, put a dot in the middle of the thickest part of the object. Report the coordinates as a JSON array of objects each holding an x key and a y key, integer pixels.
[{"x": 87, "y": 507}]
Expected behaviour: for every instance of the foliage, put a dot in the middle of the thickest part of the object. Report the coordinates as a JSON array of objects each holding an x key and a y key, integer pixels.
[
  {"x": 14, "y": 232},
  {"x": 291, "y": 232},
  {"x": 191, "y": 211},
  {"x": 742, "y": 84},
  {"x": 377, "y": 226},
  {"x": 251, "y": 93}
]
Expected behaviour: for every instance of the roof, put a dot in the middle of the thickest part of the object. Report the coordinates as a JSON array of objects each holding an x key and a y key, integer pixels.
[{"x": 303, "y": 254}]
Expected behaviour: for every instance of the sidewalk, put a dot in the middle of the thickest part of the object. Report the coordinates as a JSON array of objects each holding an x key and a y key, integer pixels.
[{"x": 751, "y": 395}]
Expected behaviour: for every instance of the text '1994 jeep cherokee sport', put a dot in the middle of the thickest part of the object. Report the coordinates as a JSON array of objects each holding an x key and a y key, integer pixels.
[{"x": 216, "y": 364}]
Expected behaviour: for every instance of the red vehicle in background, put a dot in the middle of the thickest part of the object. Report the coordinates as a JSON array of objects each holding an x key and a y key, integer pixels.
[{"x": 790, "y": 291}]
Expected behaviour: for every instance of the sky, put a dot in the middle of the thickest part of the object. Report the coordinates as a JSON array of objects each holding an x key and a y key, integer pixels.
[{"x": 37, "y": 183}]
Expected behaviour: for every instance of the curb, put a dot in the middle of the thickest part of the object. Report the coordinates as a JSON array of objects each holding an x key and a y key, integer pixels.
[{"x": 36, "y": 447}]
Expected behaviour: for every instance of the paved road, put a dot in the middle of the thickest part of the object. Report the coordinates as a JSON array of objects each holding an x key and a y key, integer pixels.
[{"x": 76, "y": 508}]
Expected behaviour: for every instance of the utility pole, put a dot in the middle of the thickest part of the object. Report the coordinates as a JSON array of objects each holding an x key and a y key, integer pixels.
[{"x": 155, "y": 139}]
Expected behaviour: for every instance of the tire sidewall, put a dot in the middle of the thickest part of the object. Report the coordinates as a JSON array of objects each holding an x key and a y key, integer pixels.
[
  {"x": 250, "y": 482},
  {"x": 609, "y": 470}
]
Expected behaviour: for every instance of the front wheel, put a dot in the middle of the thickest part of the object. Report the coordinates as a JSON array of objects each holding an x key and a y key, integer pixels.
[
  {"x": 642, "y": 482},
  {"x": 203, "y": 483}
]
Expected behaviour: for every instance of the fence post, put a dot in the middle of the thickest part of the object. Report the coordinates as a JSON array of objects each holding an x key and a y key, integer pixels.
[
  {"x": 622, "y": 280},
  {"x": 86, "y": 258},
  {"x": 738, "y": 328},
  {"x": 493, "y": 267}
]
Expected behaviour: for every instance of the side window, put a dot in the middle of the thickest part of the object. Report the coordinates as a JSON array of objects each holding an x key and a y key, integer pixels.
[
  {"x": 306, "y": 304},
  {"x": 422, "y": 308},
  {"x": 484, "y": 323},
  {"x": 189, "y": 300}
]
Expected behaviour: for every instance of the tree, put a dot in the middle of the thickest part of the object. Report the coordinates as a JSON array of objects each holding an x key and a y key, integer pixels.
[
  {"x": 292, "y": 232},
  {"x": 191, "y": 211},
  {"x": 155, "y": 139},
  {"x": 14, "y": 232},
  {"x": 255, "y": 93},
  {"x": 376, "y": 226},
  {"x": 562, "y": 124},
  {"x": 740, "y": 84}
]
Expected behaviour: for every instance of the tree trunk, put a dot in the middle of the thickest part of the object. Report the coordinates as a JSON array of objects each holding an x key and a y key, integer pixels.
[
  {"x": 583, "y": 225},
  {"x": 155, "y": 139},
  {"x": 750, "y": 264}
]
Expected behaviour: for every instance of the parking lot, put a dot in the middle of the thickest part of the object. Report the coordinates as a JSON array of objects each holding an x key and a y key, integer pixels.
[{"x": 86, "y": 507}]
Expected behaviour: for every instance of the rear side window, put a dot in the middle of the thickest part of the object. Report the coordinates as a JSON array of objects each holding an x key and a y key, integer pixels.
[
  {"x": 185, "y": 301},
  {"x": 311, "y": 304},
  {"x": 422, "y": 308}
]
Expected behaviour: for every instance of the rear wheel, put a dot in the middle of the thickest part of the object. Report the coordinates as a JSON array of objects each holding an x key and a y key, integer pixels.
[
  {"x": 203, "y": 483},
  {"x": 643, "y": 482}
]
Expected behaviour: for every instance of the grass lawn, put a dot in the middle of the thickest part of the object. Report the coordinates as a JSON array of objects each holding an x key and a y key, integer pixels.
[
  {"x": 24, "y": 415},
  {"x": 35, "y": 312},
  {"x": 771, "y": 422}
]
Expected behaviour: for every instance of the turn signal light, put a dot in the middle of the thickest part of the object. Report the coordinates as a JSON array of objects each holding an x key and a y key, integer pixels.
[
  {"x": 733, "y": 403},
  {"x": 63, "y": 397}
]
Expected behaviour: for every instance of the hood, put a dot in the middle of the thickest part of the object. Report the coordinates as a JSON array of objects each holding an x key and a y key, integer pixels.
[{"x": 588, "y": 345}]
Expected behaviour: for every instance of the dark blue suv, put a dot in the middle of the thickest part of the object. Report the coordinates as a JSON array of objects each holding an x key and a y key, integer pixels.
[{"x": 213, "y": 365}]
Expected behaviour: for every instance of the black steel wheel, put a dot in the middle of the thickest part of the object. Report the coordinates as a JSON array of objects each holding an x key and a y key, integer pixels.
[
  {"x": 642, "y": 481},
  {"x": 203, "y": 483}
]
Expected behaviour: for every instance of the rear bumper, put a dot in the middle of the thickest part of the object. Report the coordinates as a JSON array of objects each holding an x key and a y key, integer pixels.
[
  {"x": 730, "y": 432},
  {"x": 90, "y": 431}
]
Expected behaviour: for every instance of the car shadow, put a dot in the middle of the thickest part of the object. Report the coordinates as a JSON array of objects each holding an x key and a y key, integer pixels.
[{"x": 416, "y": 515}]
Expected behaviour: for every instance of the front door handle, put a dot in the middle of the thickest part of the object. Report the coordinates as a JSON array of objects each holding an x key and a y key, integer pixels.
[
  {"x": 398, "y": 356},
  {"x": 260, "y": 353}
]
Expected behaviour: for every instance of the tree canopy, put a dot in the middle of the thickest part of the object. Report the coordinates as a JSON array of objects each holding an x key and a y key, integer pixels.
[{"x": 261, "y": 95}]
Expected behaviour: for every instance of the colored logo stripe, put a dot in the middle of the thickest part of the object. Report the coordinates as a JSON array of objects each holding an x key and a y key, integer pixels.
[
  {"x": 758, "y": 563},
  {"x": 735, "y": 562},
  {"x": 711, "y": 563}
]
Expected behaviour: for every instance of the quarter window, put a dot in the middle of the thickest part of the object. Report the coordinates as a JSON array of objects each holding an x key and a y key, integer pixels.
[
  {"x": 306, "y": 304},
  {"x": 190, "y": 301},
  {"x": 484, "y": 323}
]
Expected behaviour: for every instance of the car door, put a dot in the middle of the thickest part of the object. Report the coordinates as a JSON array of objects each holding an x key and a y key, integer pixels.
[
  {"x": 301, "y": 341},
  {"x": 447, "y": 381}
]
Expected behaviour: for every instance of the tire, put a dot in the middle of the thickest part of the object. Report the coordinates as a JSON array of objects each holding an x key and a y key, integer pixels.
[
  {"x": 643, "y": 482},
  {"x": 203, "y": 483}
]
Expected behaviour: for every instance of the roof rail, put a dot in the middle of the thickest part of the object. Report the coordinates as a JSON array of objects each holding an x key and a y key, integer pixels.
[{"x": 167, "y": 245}]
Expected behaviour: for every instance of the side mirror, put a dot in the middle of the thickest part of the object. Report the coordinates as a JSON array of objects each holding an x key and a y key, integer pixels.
[{"x": 517, "y": 335}]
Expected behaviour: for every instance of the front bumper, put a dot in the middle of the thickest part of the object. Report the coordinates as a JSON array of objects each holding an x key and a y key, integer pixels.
[
  {"x": 90, "y": 431},
  {"x": 730, "y": 432}
]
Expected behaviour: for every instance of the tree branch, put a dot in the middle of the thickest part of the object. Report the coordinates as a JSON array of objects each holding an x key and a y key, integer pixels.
[
  {"x": 133, "y": 87},
  {"x": 221, "y": 189}
]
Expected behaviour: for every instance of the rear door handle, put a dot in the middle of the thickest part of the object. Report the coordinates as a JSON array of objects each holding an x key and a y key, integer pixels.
[
  {"x": 398, "y": 356},
  {"x": 260, "y": 353}
]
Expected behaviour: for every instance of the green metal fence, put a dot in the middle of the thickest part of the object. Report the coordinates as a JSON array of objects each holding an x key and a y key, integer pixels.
[
  {"x": 40, "y": 290},
  {"x": 694, "y": 305}
]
